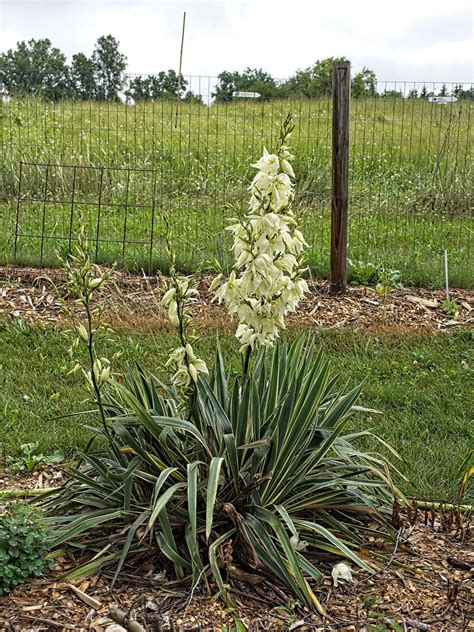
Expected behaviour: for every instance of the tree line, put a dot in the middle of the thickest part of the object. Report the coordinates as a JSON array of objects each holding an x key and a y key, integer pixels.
[{"x": 38, "y": 68}]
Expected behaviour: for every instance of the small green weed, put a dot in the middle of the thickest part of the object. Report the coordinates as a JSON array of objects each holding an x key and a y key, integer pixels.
[
  {"x": 364, "y": 272},
  {"x": 450, "y": 308},
  {"x": 23, "y": 547},
  {"x": 29, "y": 459}
]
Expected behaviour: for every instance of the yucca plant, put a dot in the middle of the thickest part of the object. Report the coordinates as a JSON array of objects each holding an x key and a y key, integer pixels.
[
  {"x": 222, "y": 476},
  {"x": 263, "y": 463}
]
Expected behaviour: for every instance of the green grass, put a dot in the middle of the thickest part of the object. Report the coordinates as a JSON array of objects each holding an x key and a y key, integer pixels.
[
  {"x": 410, "y": 177},
  {"x": 422, "y": 382}
]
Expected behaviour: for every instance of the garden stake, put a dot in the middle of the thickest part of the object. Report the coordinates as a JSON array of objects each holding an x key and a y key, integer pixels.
[{"x": 446, "y": 274}]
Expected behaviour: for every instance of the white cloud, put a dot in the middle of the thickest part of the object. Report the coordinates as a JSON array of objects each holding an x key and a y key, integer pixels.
[{"x": 406, "y": 40}]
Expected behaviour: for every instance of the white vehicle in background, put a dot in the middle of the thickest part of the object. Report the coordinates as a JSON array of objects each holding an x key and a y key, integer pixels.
[{"x": 442, "y": 99}]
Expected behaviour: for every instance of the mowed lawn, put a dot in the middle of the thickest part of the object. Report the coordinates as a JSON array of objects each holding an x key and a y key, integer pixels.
[{"x": 421, "y": 381}]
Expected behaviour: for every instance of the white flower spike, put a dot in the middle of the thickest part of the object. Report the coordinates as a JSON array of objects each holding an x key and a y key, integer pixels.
[{"x": 266, "y": 283}]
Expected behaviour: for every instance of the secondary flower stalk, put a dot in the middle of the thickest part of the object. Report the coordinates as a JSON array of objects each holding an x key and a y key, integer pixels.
[{"x": 183, "y": 361}]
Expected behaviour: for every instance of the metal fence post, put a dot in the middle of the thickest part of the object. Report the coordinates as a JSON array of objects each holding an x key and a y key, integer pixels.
[{"x": 341, "y": 94}]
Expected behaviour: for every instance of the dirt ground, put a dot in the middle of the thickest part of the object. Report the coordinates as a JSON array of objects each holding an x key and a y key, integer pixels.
[
  {"x": 425, "y": 583},
  {"x": 28, "y": 294}
]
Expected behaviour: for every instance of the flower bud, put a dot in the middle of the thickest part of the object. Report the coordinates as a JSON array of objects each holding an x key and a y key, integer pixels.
[
  {"x": 215, "y": 283},
  {"x": 170, "y": 294},
  {"x": 94, "y": 283},
  {"x": 82, "y": 331}
]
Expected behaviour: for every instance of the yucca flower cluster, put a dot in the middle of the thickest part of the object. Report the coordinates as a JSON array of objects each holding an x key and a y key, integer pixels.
[{"x": 266, "y": 282}]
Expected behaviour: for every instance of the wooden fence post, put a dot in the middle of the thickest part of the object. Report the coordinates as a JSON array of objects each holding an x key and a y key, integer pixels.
[{"x": 341, "y": 94}]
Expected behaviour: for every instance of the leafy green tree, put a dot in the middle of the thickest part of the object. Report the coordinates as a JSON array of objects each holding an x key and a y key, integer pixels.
[
  {"x": 392, "y": 94},
  {"x": 461, "y": 93},
  {"x": 364, "y": 84},
  {"x": 250, "y": 80},
  {"x": 425, "y": 93},
  {"x": 444, "y": 91},
  {"x": 413, "y": 94},
  {"x": 466, "y": 93},
  {"x": 164, "y": 85},
  {"x": 109, "y": 67},
  {"x": 37, "y": 68},
  {"x": 192, "y": 97},
  {"x": 82, "y": 77},
  {"x": 314, "y": 81}
]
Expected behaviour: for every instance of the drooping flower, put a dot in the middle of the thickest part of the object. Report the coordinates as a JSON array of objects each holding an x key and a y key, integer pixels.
[
  {"x": 266, "y": 282},
  {"x": 182, "y": 361},
  {"x": 341, "y": 572}
]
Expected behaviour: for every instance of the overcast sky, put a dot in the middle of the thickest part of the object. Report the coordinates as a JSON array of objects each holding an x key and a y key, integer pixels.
[{"x": 412, "y": 40}]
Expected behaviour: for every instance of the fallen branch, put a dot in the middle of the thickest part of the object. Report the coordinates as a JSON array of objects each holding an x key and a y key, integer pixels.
[
  {"x": 26, "y": 492},
  {"x": 440, "y": 506},
  {"x": 120, "y": 617}
]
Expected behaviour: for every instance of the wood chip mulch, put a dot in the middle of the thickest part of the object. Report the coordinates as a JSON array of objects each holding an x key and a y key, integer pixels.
[
  {"x": 27, "y": 294},
  {"x": 426, "y": 583}
]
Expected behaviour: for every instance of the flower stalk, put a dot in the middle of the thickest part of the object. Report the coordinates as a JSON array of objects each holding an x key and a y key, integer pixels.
[
  {"x": 266, "y": 282},
  {"x": 183, "y": 362},
  {"x": 84, "y": 281}
]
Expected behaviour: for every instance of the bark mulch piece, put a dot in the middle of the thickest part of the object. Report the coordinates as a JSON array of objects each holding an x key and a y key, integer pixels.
[{"x": 25, "y": 293}]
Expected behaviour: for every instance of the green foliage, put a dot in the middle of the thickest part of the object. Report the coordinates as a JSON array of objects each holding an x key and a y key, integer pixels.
[
  {"x": 410, "y": 376},
  {"x": 109, "y": 66},
  {"x": 250, "y": 80},
  {"x": 314, "y": 81},
  {"x": 23, "y": 546},
  {"x": 82, "y": 77},
  {"x": 262, "y": 465},
  {"x": 164, "y": 85},
  {"x": 38, "y": 68},
  {"x": 408, "y": 202},
  {"x": 370, "y": 273},
  {"x": 363, "y": 272},
  {"x": 450, "y": 308},
  {"x": 364, "y": 84},
  {"x": 35, "y": 67},
  {"x": 29, "y": 458}
]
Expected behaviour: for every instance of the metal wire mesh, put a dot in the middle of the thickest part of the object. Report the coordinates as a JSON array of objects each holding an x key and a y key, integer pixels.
[{"x": 125, "y": 164}]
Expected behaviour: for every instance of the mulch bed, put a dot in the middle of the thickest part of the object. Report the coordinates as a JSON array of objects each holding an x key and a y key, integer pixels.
[
  {"x": 25, "y": 293},
  {"x": 427, "y": 583}
]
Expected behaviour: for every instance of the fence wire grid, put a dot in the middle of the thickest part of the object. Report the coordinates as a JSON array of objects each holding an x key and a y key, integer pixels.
[{"x": 127, "y": 164}]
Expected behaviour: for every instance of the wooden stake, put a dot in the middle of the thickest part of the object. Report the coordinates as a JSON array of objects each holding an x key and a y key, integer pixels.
[
  {"x": 178, "y": 95},
  {"x": 341, "y": 94}
]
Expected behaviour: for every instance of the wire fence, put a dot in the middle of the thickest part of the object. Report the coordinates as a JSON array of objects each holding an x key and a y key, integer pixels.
[{"x": 125, "y": 164}]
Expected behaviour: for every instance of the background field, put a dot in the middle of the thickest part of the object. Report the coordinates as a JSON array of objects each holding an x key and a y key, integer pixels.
[{"x": 411, "y": 180}]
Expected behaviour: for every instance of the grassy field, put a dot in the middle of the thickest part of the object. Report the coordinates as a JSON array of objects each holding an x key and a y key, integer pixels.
[
  {"x": 420, "y": 381},
  {"x": 411, "y": 180}
]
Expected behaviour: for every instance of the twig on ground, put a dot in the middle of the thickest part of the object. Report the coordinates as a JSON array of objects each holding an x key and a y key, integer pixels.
[
  {"x": 120, "y": 617},
  {"x": 50, "y": 622},
  {"x": 418, "y": 625}
]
